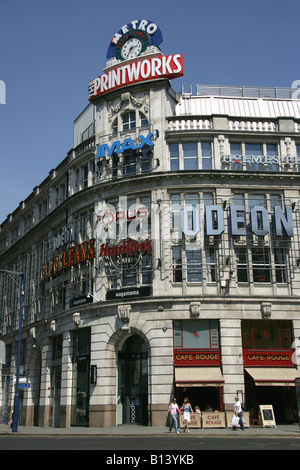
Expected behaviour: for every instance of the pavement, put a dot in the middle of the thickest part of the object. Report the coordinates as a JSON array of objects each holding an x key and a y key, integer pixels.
[{"x": 291, "y": 430}]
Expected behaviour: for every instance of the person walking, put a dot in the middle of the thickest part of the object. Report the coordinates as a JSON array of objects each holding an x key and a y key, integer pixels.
[
  {"x": 238, "y": 411},
  {"x": 187, "y": 410},
  {"x": 173, "y": 410}
]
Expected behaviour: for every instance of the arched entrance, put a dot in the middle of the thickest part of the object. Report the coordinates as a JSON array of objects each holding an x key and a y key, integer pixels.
[{"x": 133, "y": 382}]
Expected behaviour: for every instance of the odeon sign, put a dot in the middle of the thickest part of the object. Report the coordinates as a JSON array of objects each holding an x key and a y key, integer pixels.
[
  {"x": 136, "y": 61},
  {"x": 258, "y": 215}
]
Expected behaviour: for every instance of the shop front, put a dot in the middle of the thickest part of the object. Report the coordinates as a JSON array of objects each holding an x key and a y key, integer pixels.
[
  {"x": 197, "y": 364},
  {"x": 269, "y": 369}
]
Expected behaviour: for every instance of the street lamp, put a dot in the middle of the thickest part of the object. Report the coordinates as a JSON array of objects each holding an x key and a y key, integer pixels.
[
  {"x": 89, "y": 295},
  {"x": 17, "y": 390}
]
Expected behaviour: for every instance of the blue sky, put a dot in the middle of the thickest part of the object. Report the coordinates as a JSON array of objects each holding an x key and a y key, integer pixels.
[{"x": 50, "y": 49}]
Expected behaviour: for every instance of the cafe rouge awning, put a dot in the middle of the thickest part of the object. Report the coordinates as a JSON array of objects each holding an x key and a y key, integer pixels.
[
  {"x": 273, "y": 376},
  {"x": 198, "y": 377}
]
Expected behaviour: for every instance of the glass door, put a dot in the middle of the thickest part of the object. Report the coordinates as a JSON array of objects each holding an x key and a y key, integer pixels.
[{"x": 133, "y": 383}]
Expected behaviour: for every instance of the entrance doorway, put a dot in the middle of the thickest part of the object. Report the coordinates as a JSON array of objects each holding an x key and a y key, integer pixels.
[
  {"x": 207, "y": 398},
  {"x": 282, "y": 398},
  {"x": 133, "y": 382}
]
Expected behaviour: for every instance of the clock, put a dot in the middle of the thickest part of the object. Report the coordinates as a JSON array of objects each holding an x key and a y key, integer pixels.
[
  {"x": 132, "y": 44},
  {"x": 131, "y": 49}
]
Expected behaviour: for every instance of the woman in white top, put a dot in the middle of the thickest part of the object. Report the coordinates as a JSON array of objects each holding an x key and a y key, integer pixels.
[
  {"x": 173, "y": 409},
  {"x": 187, "y": 410},
  {"x": 239, "y": 412}
]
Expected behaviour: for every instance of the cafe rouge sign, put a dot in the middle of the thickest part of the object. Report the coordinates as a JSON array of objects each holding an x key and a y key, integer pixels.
[
  {"x": 263, "y": 358},
  {"x": 137, "y": 59}
]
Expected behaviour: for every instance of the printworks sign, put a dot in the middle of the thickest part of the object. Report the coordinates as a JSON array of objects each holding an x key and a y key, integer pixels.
[{"x": 138, "y": 59}]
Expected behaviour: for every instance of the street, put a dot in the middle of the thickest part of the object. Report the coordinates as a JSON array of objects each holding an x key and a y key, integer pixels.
[{"x": 150, "y": 446}]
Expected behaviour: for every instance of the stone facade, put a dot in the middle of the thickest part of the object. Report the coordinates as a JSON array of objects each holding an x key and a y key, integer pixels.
[{"x": 66, "y": 286}]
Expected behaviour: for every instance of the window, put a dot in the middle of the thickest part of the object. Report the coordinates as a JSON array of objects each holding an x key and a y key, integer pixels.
[
  {"x": 298, "y": 155},
  {"x": 190, "y": 159},
  {"x": 177, "y": 264},
  {"x": 176, "y": 211},
  {"x": 272, "y": 152},
  {"x": 206, "y": 155},
  {"x": 266, "y": 334},
  {"x": 174, "y": 157},
  {"x": 144, "y": 120},
  {"x": 191, "y": 201},
  {"x": 196, "y": 334},
  {"x": 256, "y": 151},
  {"x": 235, "y": 150},
  {"x": 257, "y": 200},
  {"x": 210, "y": 253},
  {"x": 261, "y": 264},
  {"x": 194, "y": 265},
  {"x": 280, "y": 265},
  {"x": 242, "y": 264},
  {"x": 129, "y": 163},
  {"x": 129, "y": 121}
]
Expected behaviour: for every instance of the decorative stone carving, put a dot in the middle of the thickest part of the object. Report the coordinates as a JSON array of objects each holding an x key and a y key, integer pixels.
[
  {"x": 266, "y": 309},
  {"x": 124, "y": 312},
  {"x": 53, "y": 326},
  {"x": 127, "y": 100},
  {"x": 195, "y": 309},
  {"x": 77, "y": 319}
]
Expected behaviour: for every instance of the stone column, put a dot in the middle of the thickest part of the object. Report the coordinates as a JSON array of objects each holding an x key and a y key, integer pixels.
[{"x": 232, "y": 360}]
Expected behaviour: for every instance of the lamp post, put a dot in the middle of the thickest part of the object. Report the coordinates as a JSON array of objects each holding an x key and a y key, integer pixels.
[{"x": 17, "y": 390}]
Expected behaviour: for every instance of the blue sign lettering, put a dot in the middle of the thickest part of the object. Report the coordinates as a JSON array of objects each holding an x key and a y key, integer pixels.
[{"x": 128, "y": 144}]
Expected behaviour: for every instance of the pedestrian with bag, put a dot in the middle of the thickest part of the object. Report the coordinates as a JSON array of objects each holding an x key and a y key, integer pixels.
[
  {"x": 238, "y": 411},
  {"x": 187, "y": 410},
  {"x": 173, "y": 410}
]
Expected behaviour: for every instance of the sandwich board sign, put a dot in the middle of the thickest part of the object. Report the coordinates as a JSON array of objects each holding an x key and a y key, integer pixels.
[{"x": 267, "y": 416}]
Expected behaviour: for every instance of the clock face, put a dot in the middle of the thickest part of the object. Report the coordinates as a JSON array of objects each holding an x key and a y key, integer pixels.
[
  {"x": 131, "y": 48},
  {"x": 132, "y": 44}
]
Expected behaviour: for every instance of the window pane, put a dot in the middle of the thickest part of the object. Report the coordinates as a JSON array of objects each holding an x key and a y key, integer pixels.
[
  {"x": 257, "y": 200},
  {"x": 194, "y": 266},
  {"x": 266, "y": 334},
  {"x": 242, "y": 264},
  {"x": 261, "y": 265},
  {"x": 190, "y": 155},
  {"x": 256, "y": 151},
  {"x": 129, "y": 121},
  {"x": 211, "y": 264},
  {"x": 280, "y": 265},
  {"x": 272, "y": 152},
  {"x": 174, "y": 156},
  {"x": 177, "y": 264},
  {"x": 235, "y": 149},
  {"x": 206, "y": 155}
]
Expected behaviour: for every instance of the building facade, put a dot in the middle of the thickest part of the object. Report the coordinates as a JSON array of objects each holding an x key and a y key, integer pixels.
[{"x": 162, "y": 255}]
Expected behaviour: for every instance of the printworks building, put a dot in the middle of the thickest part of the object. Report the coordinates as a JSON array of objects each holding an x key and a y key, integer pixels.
[{"x": 162, "y": 255}]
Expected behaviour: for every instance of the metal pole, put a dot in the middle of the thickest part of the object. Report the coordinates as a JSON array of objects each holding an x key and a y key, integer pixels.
[{"x": 17, "y": 389}]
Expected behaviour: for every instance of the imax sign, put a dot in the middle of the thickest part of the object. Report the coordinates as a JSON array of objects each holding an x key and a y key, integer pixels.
[{"x": 128, "y": 144}]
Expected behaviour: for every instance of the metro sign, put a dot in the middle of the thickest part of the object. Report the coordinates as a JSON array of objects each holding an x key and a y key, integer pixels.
[{"x": 145, "y": 68}]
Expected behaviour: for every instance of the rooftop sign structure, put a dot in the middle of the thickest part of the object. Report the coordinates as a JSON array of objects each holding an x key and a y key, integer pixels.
[{"x": 135, "y": 57}]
